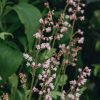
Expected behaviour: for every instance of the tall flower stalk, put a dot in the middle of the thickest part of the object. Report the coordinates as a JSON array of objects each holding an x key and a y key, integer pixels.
[{"x": 64, "y": 54}]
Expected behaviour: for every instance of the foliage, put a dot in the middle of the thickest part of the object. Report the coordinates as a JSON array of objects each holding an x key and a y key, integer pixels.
[{"x": 19, "y": 23}]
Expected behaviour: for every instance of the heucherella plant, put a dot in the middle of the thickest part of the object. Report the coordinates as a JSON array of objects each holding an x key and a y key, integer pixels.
[
  {"x": 53, "y": 67},
  {"x": 57, "y": 42},
  {"x": 49, "y": 33}
]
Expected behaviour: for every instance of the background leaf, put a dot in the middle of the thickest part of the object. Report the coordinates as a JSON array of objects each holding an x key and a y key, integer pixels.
[
  {"x": 97, "y": 46},
  {"x": 3, "y": 34},
  {"x": 10, "y": 59},
  {"x": 29, "y": 16},
  {"x": 96, "y": 70},
  {"x": 63, "y": 80},
  {"x": 55, "y": 94}
]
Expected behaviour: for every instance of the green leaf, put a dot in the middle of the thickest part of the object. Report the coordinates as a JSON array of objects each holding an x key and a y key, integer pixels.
[
  {"x": 23, "y": 41},
  {"x": 29, "y": 17},
  {"x": 22, "y": 95},
  {"x": 91, "y": 1},
  {"x": 96, "y": 69},
  {"x": 49, "y": 53},
  {"x": 55, "y": 94},
  {"x": 63, "y": 80},
  {"x": 97, "y": 47},
  {"x": 96, "y": 18},
  {"x": 10, "y": 59},
  {"x": 3, "y": 34},
  {"x": 46, "y": 54},
  {"x": 13, "y": 80},
  {"x": 23, "y": 0},
  {"x": 66, "y": 37},
  {"x": 79, "y": 59},
  {"x": 82, "y": 90},
  {"x": 18, "y": 95}
]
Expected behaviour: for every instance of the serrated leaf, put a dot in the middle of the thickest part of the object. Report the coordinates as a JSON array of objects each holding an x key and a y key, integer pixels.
[{"x": 29, "y": 17}]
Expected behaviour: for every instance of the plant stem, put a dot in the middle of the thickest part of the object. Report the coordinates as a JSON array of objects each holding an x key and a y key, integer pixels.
[
  {"x": 57, "y": 29},
  {"x": 33, "y": 75}
]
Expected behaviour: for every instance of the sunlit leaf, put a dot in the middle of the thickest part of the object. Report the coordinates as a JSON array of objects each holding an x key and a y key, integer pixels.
[{"x": 4, "y": 34}]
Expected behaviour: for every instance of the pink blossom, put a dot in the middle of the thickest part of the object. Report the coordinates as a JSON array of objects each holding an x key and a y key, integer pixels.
[
  {"x": 72, "y": 17},
  {"x": 48, "y": 29},
  {"x": 37, "y": 35},
  {"x": 81, "y": 40},
  {"x": 63, "y": 29}
]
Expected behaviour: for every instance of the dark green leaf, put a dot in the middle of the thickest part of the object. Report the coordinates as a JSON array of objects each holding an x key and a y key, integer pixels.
[
  {"x": 10, "y": 59},
  {"x": 96, "y": 69},
  {"x": 23, "y": 0},
  {"x": 23, "y": 41},
  {"x": 97, "y": 46},
  {"x": 29, "y": 16}
]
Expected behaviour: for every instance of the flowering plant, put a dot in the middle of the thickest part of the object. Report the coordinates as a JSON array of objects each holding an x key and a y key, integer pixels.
[{"x": 51, "y": 51}]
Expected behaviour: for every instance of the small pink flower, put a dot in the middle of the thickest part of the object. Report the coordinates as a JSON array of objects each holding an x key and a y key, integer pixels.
[
  {"x": 62, "y": 46},
  {"x": 63, "y": 29},
  {"x": 48, "y": 29},
  {"x": 80, "y": 32},
  {"x": 82, "y": 18},
  {"x": 35, "y": 89},
  {"x": 78, "y": 8},
  {"x": 72, "y": 17},
  {"x": 81, "y": 40},
  {"x": 37, "y": 35}
]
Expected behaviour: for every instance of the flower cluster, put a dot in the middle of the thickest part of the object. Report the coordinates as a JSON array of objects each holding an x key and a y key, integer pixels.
[
  {"x": 49, "y": 33},
  {"x": 29, "y": 59},
  {"x": 23, "y": 79},
  {"x": 77, "y": 84},
  {"x": 47, "y": 76},
  {"x": 63, "y": 95},
  {"x": 5, "y": 96},
  {"x": 43, "y": 35},
  {"x": 76, "y": 9}
]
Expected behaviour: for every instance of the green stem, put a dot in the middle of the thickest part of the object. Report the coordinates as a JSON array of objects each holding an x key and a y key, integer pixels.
[
  {"x": 57, "y": 29},
  {"x": 31, "y": 91}
]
